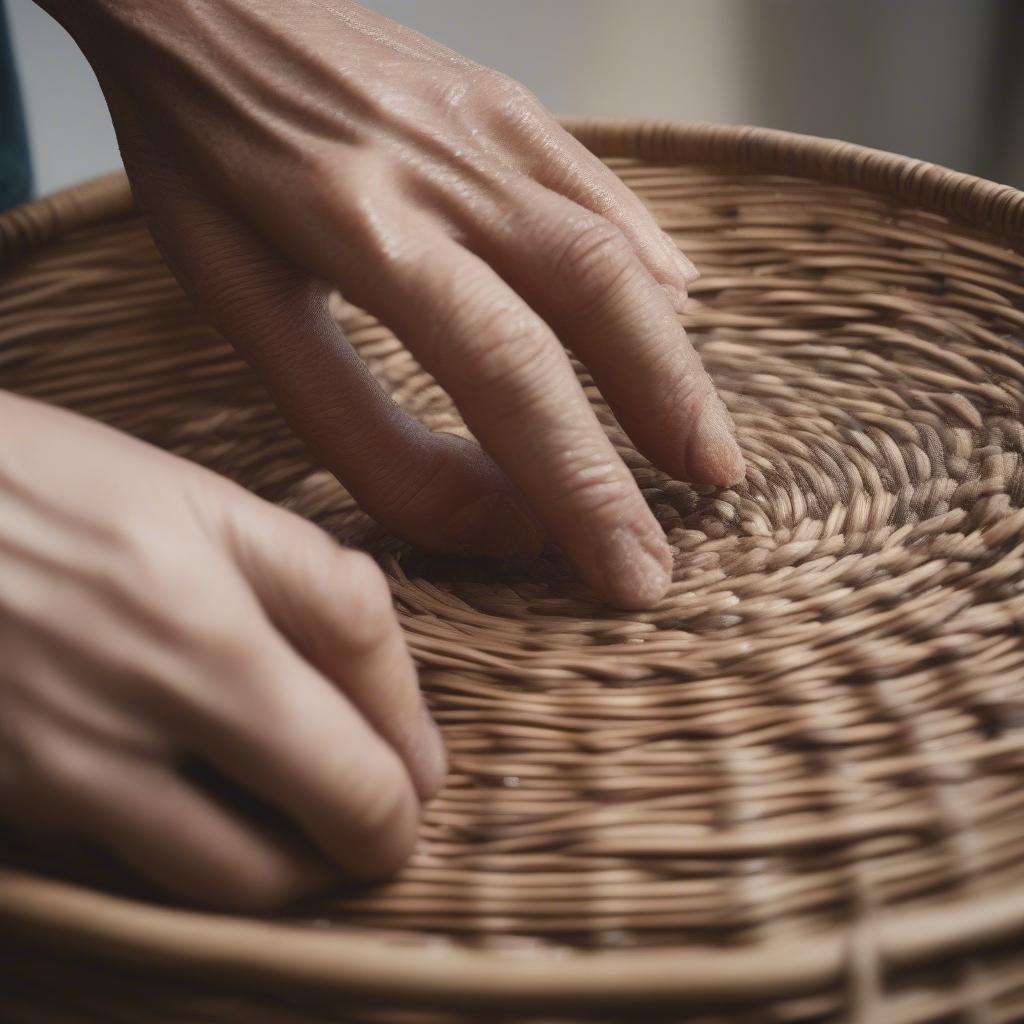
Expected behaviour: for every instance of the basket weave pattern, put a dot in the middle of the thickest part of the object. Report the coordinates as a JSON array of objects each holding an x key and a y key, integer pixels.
[{"x": 803, "y": 769}]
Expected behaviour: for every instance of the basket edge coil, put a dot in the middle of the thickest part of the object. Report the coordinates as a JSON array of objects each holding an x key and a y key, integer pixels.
[{"x": 171, "y": 939}]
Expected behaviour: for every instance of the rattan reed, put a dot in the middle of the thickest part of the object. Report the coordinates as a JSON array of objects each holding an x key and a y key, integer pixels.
[{"x": 792, "y": 791}]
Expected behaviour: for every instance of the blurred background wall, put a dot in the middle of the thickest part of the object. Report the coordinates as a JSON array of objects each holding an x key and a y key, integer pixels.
[{"x": 937, "y": 79}]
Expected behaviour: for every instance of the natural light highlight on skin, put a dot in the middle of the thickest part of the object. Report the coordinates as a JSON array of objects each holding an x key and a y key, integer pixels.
[{"x": 154, "y": 615}]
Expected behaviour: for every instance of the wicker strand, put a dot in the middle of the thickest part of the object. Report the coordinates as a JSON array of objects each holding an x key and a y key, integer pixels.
[
  {"x": 998, "y": 208},
  {"x": 792, "y": 791}
]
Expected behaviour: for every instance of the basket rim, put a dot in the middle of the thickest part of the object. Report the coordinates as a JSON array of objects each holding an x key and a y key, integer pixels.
[
  {"x": 415, "y": 973},
  {"x": 411, "y": 971},
  {"x": 965, "y": 198}
]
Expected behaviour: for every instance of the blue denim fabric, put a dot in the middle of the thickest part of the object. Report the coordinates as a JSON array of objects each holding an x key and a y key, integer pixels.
[{"x": 15, "y": 164}]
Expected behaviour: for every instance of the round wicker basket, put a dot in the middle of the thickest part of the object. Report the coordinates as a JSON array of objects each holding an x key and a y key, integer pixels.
[{"x": 791, "y": 792}]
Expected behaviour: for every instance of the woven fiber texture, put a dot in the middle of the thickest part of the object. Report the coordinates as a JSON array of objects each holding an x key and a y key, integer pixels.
[{"x": 792, "y": 792}]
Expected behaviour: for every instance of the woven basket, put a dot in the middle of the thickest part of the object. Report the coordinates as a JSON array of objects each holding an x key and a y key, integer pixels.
[{"x": 791, "y": 792}]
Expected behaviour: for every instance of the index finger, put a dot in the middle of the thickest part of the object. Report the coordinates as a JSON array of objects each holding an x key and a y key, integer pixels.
[
  {"x": 515, "y": 387},
  {"x": 581, "y": 273},
  {"x": 334, "y": 606},
  {"x": 296, "y": 742},
  {"x": 512, "y": 382}
]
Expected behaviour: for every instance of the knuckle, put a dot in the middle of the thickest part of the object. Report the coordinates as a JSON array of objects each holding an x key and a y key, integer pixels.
[
  {"x": 592, "y": 241},
  {"x": 200, "y": 616},
  {"x": 688, "y": 397},
  {"x": 598, "y": 486},
  {"x": 301, "y": 544},
  {"x": 158, "y": 576},
  {"x": 507, "y": 95},
  {"x": 506, "y": 346},
  {"x": 594, "y": 257},
  {"x": 194, "y": 616},
  {"x": 369, "y": 609}
]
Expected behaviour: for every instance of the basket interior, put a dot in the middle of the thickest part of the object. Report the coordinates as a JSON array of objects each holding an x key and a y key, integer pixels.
[{"x": 824, "y": 720}]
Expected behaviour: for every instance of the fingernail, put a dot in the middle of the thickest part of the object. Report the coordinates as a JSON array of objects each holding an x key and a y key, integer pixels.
[
  {"x": 637, "y": 568},
  {"x": 435, "y": 757},
  {"x": 715, "y": 456},
  {"x": 494, "y": 526}
]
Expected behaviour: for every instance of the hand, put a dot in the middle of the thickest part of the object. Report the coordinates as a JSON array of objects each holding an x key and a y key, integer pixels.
[
  {"x": 154, "y": 617},
  {"x": 278, "y": 144}
]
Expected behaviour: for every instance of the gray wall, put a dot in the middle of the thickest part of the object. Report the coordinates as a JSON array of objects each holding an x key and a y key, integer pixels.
[{"x": 938, "y": 79}]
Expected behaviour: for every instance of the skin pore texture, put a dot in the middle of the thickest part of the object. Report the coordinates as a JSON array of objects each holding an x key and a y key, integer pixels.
[{"x": 157, "y": 615}]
